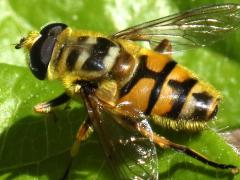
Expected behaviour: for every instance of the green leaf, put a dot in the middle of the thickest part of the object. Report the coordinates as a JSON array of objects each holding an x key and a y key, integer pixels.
[{"x": 37, "y": 146}]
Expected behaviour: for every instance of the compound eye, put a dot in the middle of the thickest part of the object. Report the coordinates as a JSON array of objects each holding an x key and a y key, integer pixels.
[
  {"x": 41, "y": 51},
  {"x": 53, "y": 29}
]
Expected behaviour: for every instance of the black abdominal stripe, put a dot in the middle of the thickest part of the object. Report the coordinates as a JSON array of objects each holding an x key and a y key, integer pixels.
[{"x": 199, "y": 102}]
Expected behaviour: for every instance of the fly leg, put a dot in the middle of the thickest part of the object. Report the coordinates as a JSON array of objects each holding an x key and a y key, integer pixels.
[
  {"x": 133, "y": 123},
  {"x": 165, "y": 143},
  {"x": 164, "y": 46},
  {"x": 83, "y": 133},
  {"x": 47, "y": 107}
]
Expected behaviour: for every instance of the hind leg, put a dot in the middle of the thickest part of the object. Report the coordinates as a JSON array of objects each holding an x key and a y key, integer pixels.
[{"x": 164, "y": 47}]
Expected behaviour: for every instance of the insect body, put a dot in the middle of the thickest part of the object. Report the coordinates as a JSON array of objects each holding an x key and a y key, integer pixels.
[{"x": 131, "y": 85}]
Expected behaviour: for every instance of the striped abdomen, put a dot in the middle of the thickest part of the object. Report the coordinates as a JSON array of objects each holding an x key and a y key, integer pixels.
[{"x": 161, "y": 87}]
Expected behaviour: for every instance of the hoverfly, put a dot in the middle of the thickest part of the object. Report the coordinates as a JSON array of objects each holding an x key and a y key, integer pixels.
[{"x": 125, "y": 86}]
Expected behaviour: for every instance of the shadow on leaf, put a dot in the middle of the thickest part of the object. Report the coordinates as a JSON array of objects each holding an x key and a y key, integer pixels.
[
  {"x": 186, "y": 166},
  {"x": 37, "y": 146}
]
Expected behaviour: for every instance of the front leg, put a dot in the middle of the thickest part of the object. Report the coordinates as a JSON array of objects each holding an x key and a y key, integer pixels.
[{"x": 47, "y": 107}]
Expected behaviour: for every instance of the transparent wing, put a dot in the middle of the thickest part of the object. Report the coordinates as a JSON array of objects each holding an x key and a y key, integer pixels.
[
  {"x": 130, "y": 155},
  {"x": 193, "y": 28}
]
